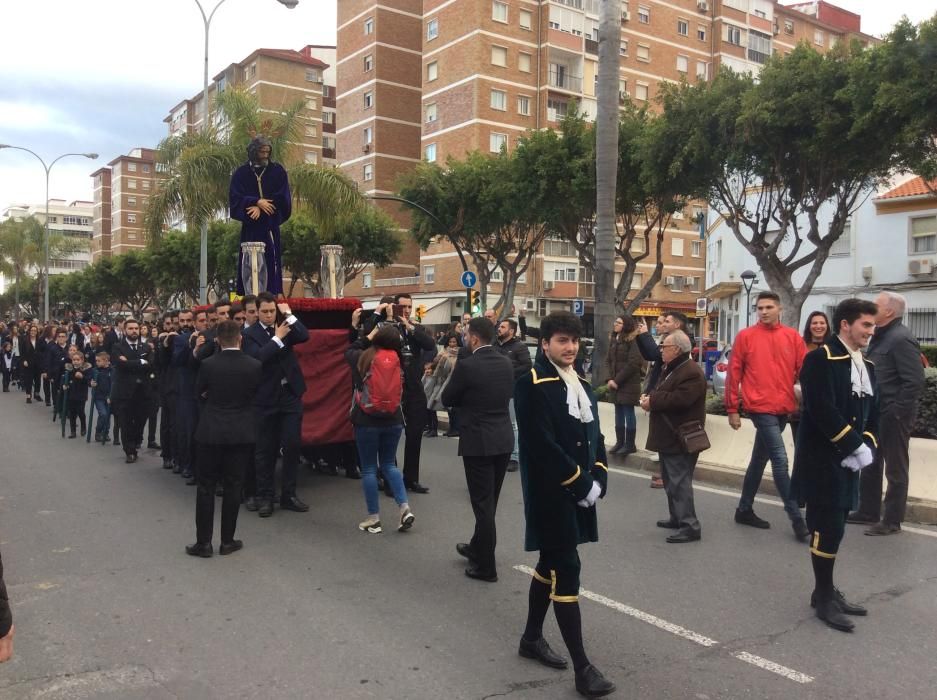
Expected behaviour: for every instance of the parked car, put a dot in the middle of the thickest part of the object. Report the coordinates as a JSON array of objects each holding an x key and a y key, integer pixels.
[
  {"x": 720, "y": 370},
  {"x": 708, "y": 345}
]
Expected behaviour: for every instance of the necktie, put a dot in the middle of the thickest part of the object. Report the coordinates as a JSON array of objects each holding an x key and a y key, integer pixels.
[{"x": 270, "y": 331}]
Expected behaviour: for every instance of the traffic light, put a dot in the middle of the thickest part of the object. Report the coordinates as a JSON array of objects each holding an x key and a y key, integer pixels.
[{"x": 475, "y": 301}]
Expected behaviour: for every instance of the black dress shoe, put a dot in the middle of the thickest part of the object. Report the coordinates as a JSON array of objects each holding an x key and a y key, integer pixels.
[
  {"x": 857, "y": 516},
  {"x": 829, "y": 611},
  {"x": 748, "y": 517},
  {"x": 130, "y": 458},
  {"x": 251, "y": 504},
  {"x": 465, "y": 550},
  {"x": 167, "y": 464},
  {"x": 116, "y": 442},
  {"x": 152, "y": 446},
  {"x": 199, "y": 549},
  {"x": 685, "y": 536},
  {"x": 230, "y": 547},
  {"x": 512, "y": 465},
  {"x": 542, "y": 652},
  {"x": 266, "y": 509},
  {"x": 191, "y": 480},
  {"x": 668, "y": 524},
  {"x": 844, "y": 605},
  {"x": 294, "y": 504},
  {"x": 450, "y": 433},
  {"x": 176, "y": 468},
  {"x": 591, "y": 683},
  {"x": 480, "y": 574},
  {"x": 416, "y": 487}
]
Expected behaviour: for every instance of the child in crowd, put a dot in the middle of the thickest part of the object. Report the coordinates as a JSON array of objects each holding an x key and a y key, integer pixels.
[
  {"x": 7, "y": 364},
  {"x": 101, "y": 395},
  {"x": 75, "y": 383}
]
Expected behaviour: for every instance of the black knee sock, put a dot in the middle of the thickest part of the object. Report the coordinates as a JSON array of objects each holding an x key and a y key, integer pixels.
[
  {"x": 823, "y": 573},
  {"x": 570, "y": 622},
  {"x": 538, "y": 602}
]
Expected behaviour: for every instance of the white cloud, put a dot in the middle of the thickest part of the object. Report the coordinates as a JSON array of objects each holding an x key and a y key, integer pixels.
[{"x": 35, "y": 117}]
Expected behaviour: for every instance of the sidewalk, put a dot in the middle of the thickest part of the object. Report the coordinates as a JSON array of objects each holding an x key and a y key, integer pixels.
[{"x": 725, "y": 463}]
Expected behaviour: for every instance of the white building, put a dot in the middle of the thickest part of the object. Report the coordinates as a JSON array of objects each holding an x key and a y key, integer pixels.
[
  {"x": 72, "y": 219},
  {"x": 890, "y": 243}
]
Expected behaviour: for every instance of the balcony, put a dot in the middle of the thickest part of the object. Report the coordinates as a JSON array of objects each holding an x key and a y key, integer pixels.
[
  {"x": 397, "y": 281},
  {"x": 328, "y": 153},
  {"x": 592, "y": 47},
  {"x": 565, "y": 81}
]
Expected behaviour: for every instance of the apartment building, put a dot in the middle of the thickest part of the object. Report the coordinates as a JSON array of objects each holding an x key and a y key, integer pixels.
[
  {"x": 491, "y": 71},
  {"x": 101, "y": 215},
  {"x": 70, "y": 219},
  {"x": 279, "y": 78},
  {"x": 121, "y": 191}
]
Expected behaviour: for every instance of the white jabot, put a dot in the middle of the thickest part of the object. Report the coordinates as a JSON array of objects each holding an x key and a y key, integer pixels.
[
  {"x": 580, "y": 407},
  {"x": 861, "y": 382}
]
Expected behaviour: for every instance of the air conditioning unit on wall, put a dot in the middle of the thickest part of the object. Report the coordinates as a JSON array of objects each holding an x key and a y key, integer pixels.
[
  {"x": 548, "y": 286},
  {"x": 625, "y": 16},
  {"x": 669, "y": 281},
  {"x": 920, "y": 267},
  {"x": 702, "y": 5}
]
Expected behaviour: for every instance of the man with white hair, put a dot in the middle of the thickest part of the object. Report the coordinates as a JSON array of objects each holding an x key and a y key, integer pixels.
[{"x": 897, "y": 357}]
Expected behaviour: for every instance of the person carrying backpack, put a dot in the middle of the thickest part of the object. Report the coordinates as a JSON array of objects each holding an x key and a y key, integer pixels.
[{"x": 378, "y": 419}]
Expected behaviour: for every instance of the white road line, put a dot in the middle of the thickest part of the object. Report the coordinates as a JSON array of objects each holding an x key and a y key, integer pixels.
[
  {"x": 685, "y": 633},
  {"x": 759, "y": 499}
]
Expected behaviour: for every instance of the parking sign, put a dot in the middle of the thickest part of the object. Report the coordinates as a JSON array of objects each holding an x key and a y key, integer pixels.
[{"x": 579, "y": 307}]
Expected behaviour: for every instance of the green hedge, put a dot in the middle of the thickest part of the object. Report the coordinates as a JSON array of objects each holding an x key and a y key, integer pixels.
[{"x": 930, "y": 352}]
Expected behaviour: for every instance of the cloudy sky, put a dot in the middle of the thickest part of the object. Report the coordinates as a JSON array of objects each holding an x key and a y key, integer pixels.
[{"x": 100, "y": 75}]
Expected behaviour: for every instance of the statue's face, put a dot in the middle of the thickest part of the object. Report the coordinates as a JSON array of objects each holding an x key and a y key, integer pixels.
[{"x": 263, "y": 155}]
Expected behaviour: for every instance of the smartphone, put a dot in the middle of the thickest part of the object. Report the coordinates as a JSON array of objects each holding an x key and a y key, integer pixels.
[
  {"x": 280, "y": 318},
  {"x": 398, "y": 310}
]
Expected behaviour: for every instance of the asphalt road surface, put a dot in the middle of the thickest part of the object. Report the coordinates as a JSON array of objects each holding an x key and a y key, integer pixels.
[{"x": 107, "y": 605}]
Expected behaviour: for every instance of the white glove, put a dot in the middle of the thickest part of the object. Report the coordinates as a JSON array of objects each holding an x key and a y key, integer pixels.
[
  {"x": 851, "y": 463},
  {"x": 859, "y": 459},
  {"x": 592, "y": 496}
]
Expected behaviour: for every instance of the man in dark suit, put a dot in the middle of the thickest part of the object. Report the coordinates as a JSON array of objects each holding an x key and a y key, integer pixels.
[
  {"x": 226, "y": 435},
  {"x": 132, "y": 360},
  {"x": 186, "y": 412},
  {"x": 114, "y": 335},
  {"x": 279, "y": 401},
  {"x": 481, "y": 387}
]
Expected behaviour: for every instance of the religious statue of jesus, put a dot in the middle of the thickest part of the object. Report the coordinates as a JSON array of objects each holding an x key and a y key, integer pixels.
[{"x": 260, "y": 199}]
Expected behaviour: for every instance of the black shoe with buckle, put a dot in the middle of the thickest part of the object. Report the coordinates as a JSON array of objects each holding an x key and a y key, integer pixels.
[{"x": 541, "y": 651}]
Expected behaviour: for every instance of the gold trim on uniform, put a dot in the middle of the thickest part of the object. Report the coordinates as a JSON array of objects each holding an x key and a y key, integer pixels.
[
  {"x": 831, "y": 356},
  {"x": 599, "y": 464},
  {"x": 841, "y": 434},
  {"x": 572, "y": 478},
  {"x": 538, "y": 380},
  {"x": 560, "y": 598},
  {"x": 541, "y": 578},
  {"x": 872, "y": 438},
  {"x": 814, "y": 548}
]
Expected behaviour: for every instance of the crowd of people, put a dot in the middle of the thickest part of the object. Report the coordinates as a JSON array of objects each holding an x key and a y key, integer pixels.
[{"x": 223, "y": 389}]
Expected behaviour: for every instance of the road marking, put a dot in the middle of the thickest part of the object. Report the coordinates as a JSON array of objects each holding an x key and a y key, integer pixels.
[
  {"x": 759, "y": 499},
  {"x": 685, "y": 633}
]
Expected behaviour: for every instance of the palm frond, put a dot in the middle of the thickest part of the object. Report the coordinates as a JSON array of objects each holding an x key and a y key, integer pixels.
[{"x": 325, "y": 192}]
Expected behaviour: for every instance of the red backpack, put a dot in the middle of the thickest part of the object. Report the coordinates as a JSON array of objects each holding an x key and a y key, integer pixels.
[{"x": 382, "y": 386}]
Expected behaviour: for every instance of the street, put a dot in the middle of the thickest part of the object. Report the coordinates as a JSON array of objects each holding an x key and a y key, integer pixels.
[{"x": 107, "y": 605}]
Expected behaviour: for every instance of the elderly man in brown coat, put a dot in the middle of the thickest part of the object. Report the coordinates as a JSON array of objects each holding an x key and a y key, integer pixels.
[{"x": 678, "y": 398}]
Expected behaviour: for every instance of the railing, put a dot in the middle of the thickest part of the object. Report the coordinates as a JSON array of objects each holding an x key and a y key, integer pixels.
[
  {"x": 573, "y": 83},
  {"x": 592, "y": 46},
  {"x": 397, "y": 281}
]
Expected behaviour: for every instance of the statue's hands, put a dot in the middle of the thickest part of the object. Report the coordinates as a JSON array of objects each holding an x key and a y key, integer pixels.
[
  {"x": 266, "y": 206},
  {"x": 253, "y": 212}
]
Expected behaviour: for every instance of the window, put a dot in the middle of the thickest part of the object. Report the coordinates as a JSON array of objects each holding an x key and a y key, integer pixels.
[
  {"x": 311, "y": 157},
  {"x": 432, "y": 29},
  {"x": 497, "y": 141},
  {"x": 131, "y": 184},
  {"x": 366, "y": 280},
  {"x": 702, "y": 70},
  {"x": 644, "y": 14},
  {"x": 368, "y": 63},
  {"x": 640, "y": 91},
  {"x": 692, "y": 284},
  {"x": 788, "y": 26},
  {"x": 499, "y": 56},
  {"x": 818, "y": 37},
  {"x": 733, "y": 35},
  {"x": 429, "y": 274},
  {"x": 696, "y": 249},
  {"x": 499, "y": 11},
  {"x": 523, "y": 62},
  {"x": 429, "y": 153},
  {"x": 841, "y": 246},
  {"x": 637, "y": 280},
  {"x": 683, "y": 27},
  {"x": 638, "y": 245},
  {"x": 499, "y": 100},
  {"x": 251, "y": 70},
  {"x": 131, "y": 201},
  {"x": 312, "y": 131},
  {"x": 644, "y": 52},
  {"x": 312, "y": 103},
  {"x": 146, "y": 184},
  {"x": 368, "y": 99},
  {"x": 369, "y": 25},
  {"x": 924, "y": 235},
  {"x": 556, "y": 110},
  {"x": 367, "y": 172},
  {"x": 622, "y": 49},
  {"x": 564, "y": 274},
  {"x": 368, "y": 135},
  {"x": 432, "y": 71},
  {"x": 328, "y": 117},
  {"x": 525, "y": 19},
  {"x": 131, "y": 167},
  {"x": 523, "y": 105},
  {"x": 676, "y": 283},
  {"x": 131, "y": 218},
  {"x": 701, "y": 32},
  {"x": 313, "y": 76},
  {"x": 328, "y": 91},
  {"x": 683, "y": 64},
  {"x": 759, "y": 46},
  {"x": 676, "y": 247},
  {"x": 431, "y": 112}
]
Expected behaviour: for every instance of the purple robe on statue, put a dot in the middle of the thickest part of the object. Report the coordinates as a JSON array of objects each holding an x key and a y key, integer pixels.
[{"x": 248, "y": 184}]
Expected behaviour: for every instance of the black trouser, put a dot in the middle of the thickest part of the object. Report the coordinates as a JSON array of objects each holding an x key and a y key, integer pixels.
[
  {"x": 827, "y": 526},
  {"x": 224, "y": 463},
  {"x": 281, "y": 429},
  {"x": 152, "y": 419},
  {"x": 484, "y": 476},
  {"x": 76, "y": 410},
  {"x": 167, "y": 425},
  {"x": 28, "y": 378},
  {"x": 6, "y": 379},
  {"x": 677, "y": 474},
  {"x": 133, "y": 412},
  {"x": 184, "y": 430},
  {"x": 892, "y": 460},
  {"x": 415, "y": 424},
  {"x": 47, "y": 390}
]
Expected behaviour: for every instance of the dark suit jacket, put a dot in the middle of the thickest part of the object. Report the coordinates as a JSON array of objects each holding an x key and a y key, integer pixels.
[
  {"x": 110, "y": 340},
  {"x": 481, "y": 386},
  {"x": 278, "y": 364},
  {"x": 30, "y": 354},
  {"x": 133, "y": 375},
  {"x": 228, "y": 382},
  {"x": 6, "y": 618}
]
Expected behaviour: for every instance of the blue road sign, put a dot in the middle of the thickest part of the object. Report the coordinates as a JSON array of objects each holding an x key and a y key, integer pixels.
[
  {"x": 469, "y": 279},
  {"x": 579, "y": 307}
]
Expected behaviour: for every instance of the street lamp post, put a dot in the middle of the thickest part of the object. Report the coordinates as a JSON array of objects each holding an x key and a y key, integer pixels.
[
  {"x": 748, "y": 279},
  {"x": 48, "y": 169},
  {"x": 203, "y": 240}
]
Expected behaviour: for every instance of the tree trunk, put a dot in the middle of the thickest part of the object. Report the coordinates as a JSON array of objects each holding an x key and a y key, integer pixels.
[
  {"x": 16, "y": 299},
  {"x": 606, "y": 171}
]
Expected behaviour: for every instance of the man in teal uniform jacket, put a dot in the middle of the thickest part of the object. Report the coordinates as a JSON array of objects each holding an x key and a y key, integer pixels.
[{"x": 563, "y": 474}]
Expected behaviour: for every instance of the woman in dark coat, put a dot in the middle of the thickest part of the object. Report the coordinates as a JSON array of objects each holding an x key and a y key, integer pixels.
[
  {"x": 29, "y": 364},
  {"x": 623, "y": 365}
]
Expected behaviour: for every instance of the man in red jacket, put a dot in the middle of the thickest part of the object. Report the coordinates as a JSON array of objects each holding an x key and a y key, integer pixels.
[{"x": 764, "y": 364}]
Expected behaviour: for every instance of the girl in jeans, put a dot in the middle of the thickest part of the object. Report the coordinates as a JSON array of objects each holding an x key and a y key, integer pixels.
[{"x": 377, "y": 436}]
